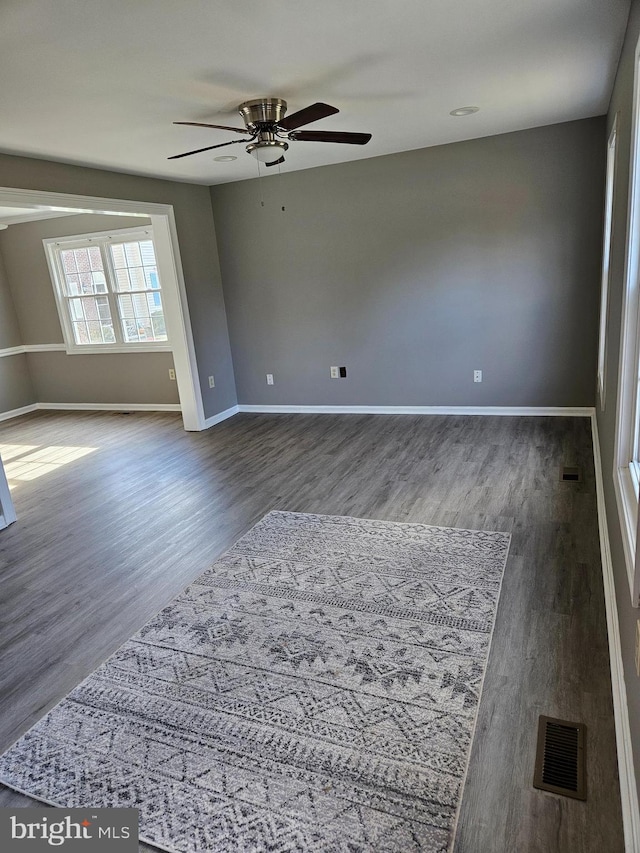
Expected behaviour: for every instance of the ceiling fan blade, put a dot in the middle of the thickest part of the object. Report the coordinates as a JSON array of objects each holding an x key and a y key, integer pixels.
[
  {"x": 216, "y": 126},
  {"x": 275, "y": 162},
  {"x": 208, "y": 148},
  {"x": 307, "y": 115},
  {"x": 330, "y": 136}
]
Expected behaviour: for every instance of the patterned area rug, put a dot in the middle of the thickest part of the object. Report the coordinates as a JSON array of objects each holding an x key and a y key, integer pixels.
[{"x": 315, "y": 690}]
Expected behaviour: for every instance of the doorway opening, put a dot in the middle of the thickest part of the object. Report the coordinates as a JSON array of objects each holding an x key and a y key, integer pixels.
[{"x": 38, "y": 204}]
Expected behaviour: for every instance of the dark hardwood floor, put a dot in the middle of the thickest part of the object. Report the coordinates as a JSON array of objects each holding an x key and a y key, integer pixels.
[{"x": 105, "y": 540}]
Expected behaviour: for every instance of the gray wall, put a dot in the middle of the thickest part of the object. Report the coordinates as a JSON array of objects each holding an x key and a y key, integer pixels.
[
  {"x": 622, "y": 102},
  {"x": 10, "y": 334},
  {"x": 414, "y": 269},
  {"x": 16, "y": 389},
  {"x": 56, "y": 376},
  {"x": 109, "y": 378},
  {"x": 196, "y": 235}
]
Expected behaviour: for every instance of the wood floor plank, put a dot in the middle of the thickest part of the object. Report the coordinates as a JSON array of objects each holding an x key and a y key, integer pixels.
[{"x": 106, "y": 540}]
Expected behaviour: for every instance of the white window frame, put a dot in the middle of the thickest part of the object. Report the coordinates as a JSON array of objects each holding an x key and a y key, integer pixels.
[
  {"x": 625, "y": 473},
  {"x": 606, "y": 259},
  {"x": 53, "y": 246}
]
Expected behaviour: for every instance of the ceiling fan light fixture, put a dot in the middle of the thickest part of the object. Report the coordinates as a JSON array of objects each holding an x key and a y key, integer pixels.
[
  {"x": 267, "y": 151},
  {"x": 464, "y": 111}
]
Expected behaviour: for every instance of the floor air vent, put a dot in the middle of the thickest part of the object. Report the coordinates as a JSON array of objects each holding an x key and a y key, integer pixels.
[
  {"x": 560, "y": 758},
  {"x": 570, "y": 474}
]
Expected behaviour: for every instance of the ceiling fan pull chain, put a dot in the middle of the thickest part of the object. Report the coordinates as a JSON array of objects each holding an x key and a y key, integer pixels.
[
  {"x": 260, "y": 184},
  {"x": 280, "y": 182}
]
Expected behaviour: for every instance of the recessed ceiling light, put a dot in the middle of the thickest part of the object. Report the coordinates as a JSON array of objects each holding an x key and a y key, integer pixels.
[
  {"x": 464, "y": 111},
  {"x": 225, "y": 158}
]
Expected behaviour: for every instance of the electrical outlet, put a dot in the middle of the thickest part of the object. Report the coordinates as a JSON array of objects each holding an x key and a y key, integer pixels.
[
  {"x": 335, "y": 372},
  {"x": 638, "y": 647},
  {"x": 269, "y": 378},
  {"x": 172, "y": 373},
  {"x": 477, "y": 376},
  {"x": 212, "y": 382}
]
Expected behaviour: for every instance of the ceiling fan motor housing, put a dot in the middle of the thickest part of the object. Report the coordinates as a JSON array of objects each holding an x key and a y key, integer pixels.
[{"x": 262, "y": 111}]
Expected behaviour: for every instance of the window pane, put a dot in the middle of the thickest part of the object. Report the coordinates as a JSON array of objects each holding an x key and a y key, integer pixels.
[
  {"x": 138, "y": 281},
  {"x": 125, "y": 306},
  {"x": 82, "y": 259},
  {"x": 73, "y": 285},
  {"x": 91, "y": 320},
  {"x": 80, "y": 333},
  {"x": 95, "y": 258},
  {"x": 86, "y": 282},
  {"x": 99, "y": 282},
  {"x": 103, "y": 308},
  {"x": 135, "y": 265},
  {"x": 117, "y": 256},
  {"x": 140, "y": 304},
  {"x": 122, "y": 280},
  {"x": 147, "y": 252},
  {"x": 142, "y": 317},
  {"x": 75, "y": 309},
  {"x": 95, "y": 333},
  {"x": 88, "y": 263},
  {"x": 159, "y": 328},
  {"x": 132, "y": 253},
  {"x": 68, "y": 261}
]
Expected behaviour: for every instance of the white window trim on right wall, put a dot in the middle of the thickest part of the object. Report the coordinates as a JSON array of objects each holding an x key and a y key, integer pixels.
[
  {"x": 625, "y": 478},
  {"x": 606, "y": 259}
]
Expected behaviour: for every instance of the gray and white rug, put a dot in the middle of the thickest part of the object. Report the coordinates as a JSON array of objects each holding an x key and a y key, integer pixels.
[{"x": 314, "y": 691}]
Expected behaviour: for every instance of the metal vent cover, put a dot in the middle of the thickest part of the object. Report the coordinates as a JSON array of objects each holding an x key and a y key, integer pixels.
[
  {"x": 560, "y": 758},
  {"x": 570, "y": 474}
]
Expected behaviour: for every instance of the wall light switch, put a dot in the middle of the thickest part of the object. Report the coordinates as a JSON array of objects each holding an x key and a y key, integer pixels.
[
  {"x": 335, "y": 372},
  {"x": 269, "y": 378},
  {"x": 172, "y": 373},
  {"x": 212, "y": 382}
]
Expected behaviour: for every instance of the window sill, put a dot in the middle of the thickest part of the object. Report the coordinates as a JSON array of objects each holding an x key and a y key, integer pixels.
[{"x": 105, "y": 350}]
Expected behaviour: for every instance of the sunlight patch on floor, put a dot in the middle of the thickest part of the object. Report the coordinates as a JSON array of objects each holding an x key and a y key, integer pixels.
[{"x": 24, "y": 462}]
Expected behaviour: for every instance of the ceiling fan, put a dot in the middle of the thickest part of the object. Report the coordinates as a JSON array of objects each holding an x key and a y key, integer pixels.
[{"x": 270, "y": 131}]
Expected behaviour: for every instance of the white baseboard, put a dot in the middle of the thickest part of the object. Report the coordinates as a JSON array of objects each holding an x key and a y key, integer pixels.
[
  {"x": 15, "y": 413},
  {"x": 111, "y": 407},
  {"x": 327, "y": 410},
  {"x": 626, "y": 771},
  {"x": 221, "y": 416},
  {"x": 562, "y": 411}
]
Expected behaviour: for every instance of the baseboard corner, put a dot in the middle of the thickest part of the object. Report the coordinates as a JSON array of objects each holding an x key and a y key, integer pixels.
[{"x": 220, "y": 416}]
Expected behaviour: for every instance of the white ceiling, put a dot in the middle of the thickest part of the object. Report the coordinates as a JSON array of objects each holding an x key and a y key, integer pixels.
[{"x": 100, "y": 83}]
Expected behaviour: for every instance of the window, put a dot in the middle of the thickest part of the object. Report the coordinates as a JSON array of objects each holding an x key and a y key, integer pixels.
[
  {"x": 108, "y": 291},
  {"x": 626, "y": 473},
  {"x": 606, "y": 256}
]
